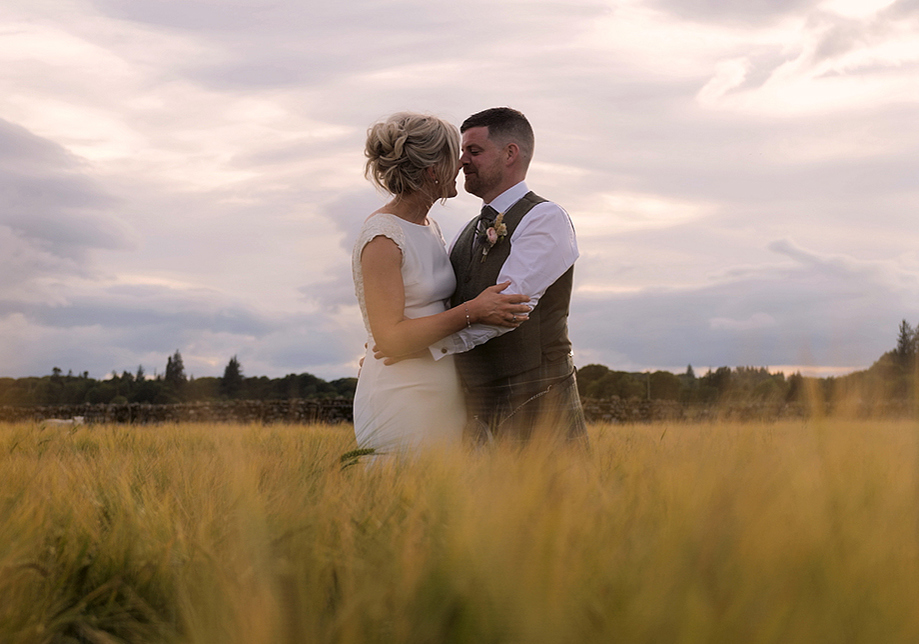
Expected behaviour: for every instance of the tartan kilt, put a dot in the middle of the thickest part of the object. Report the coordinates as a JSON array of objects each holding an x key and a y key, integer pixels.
[{"x": 539, "y": 404}]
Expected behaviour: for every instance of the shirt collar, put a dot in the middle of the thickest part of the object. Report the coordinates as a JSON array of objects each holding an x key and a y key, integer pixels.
[{"x": 504, "y": 201}]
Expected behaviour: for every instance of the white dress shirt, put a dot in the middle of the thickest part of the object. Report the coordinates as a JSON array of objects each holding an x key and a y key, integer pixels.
[{"x": 543, "y": 247}]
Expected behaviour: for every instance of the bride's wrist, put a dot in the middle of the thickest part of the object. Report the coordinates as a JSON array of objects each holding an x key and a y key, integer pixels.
[{"x": 472, "y": 312}]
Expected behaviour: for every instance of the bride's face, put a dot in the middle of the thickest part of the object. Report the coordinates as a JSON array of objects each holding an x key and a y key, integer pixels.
[{"x": 449, "y": 190}]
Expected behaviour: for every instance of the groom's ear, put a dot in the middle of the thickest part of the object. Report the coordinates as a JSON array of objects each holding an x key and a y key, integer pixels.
[{"x": 512, "y": 153}]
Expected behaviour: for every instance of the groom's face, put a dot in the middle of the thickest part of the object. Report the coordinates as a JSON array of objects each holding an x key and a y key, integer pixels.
[{"x": 482, "y": 162}]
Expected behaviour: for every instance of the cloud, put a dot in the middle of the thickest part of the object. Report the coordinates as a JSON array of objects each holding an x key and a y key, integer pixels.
[
  {"x": 751, "y": 12},
  {"x": 829, "y": 311},
  {"x": 39, "y": 178},
  {"x": 839, "y": 63},
  {"x": 754, "y": 322},
  {"x": 132, "y": 324},
  {"x": 902, "y": 8},
  {"x": 52, "y": 214},
  {"x": 189, "y": 174},
  {"x": 259, "y": 44}
]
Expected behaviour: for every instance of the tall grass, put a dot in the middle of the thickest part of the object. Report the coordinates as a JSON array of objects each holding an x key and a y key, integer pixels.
[{"x": 788, "y": 532}]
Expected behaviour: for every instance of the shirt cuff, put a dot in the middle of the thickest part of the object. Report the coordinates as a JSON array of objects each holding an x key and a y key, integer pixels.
[{"x": 447, "y": 347}]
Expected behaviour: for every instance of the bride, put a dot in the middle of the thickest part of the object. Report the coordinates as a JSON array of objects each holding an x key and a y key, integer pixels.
[{"x": 402, "y": 279}]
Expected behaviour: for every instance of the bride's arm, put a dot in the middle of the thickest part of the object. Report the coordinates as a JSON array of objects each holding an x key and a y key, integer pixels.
[{"x": 384, "y": 297}]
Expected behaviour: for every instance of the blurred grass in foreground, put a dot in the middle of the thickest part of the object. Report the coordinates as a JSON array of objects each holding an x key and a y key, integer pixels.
[{"x": 790, "y": 532}]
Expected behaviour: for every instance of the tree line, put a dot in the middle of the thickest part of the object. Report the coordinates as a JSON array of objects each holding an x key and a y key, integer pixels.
[
  {"x": 893, "y": 377},
  {"x": 171, "y": 386},
  {"x": 741, "y": 384}
]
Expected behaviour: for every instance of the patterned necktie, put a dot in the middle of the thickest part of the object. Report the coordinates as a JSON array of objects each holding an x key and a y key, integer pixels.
[{"x": 486, "y": 219}]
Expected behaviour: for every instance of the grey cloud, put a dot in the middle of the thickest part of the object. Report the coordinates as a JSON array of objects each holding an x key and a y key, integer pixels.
[
  {"x": 763, "y": 62},
  {"x": 348, "y": 212},
  {"x": 638, "y": 133},
  {"x": 23, "y": 151},
  {"x": 39, "y": 174},
  {"x": 280, "y": 155},
  {"x": 191, "y": 16},
  {"x": 902, "y": 8},
  {"x": 279, "y": 44},
  {"x": 292, "y": 344},
  {"x": 833, "y": 266},
  {"x": 840, "y": 38},
  {"x": 163, "y": 316},
  {"x": 286, "y": 44},
  {"x": 122, "y": 326},
  {"x": 315, "y": 348},
  {"x": 333, "y": 293},
  {"x": 840, "y": 35},
  {"x": 831, "y": 312},
  {"x": 729, "y": 11},
  {"x": 356, "y": 17},
  {"x": 51, "y": 206},
  {"x": 72, "y": 235},
  {"x": 665, "y": 147}
]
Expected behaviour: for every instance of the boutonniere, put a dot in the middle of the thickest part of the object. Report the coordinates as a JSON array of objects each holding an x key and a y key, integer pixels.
[{"x": 494, "y": 234}]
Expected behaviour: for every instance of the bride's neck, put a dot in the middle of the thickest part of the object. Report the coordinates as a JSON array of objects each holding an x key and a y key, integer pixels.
[{"x": 411, "y": 207}]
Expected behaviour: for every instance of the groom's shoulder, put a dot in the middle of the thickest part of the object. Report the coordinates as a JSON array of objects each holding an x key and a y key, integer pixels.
[
  {"x": 549, "y": 215},
  {"x": 535, "y": 198},
  {"x": 543, "y": 204}
]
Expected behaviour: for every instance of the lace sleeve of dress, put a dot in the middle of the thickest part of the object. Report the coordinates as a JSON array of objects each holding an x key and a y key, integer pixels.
[{"x": 384, "y": 225}]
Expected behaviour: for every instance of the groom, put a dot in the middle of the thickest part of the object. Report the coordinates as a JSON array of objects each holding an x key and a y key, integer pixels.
[{"x": 520, "y": 382}]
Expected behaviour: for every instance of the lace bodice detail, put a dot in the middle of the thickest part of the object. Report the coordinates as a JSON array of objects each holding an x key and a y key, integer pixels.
[{"x": 426, "y": 271}]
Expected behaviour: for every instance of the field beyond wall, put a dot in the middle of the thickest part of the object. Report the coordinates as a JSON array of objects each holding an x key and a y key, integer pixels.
[{"x": 797, "y": 531}]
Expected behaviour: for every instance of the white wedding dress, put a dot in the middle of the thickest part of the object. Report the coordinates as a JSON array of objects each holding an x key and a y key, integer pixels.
[{"x": 417, "y": 402}]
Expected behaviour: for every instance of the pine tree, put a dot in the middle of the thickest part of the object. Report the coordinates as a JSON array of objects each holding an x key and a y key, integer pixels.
[
  {"x": 906, "y": 345},
  {"x": 175, "y": 370},
  {"x": 232, "y": 379}
]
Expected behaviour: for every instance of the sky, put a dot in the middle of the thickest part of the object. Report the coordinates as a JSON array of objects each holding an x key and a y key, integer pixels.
[{"x": 188, "y": 174}]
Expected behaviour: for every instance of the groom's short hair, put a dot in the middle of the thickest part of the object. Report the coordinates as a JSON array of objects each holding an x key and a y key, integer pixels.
[{"x": 505, "y": 124}]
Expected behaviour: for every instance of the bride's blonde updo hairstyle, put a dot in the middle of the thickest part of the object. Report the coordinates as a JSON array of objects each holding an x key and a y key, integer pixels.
[{"x": 400, "y": 149}]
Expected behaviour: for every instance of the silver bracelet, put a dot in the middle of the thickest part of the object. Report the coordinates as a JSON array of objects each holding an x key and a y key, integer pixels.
[{"x": 468, "y": 322}]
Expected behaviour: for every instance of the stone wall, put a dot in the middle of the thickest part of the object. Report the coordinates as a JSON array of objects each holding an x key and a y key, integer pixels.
[
  {"x": 634, "y": 410},
  {"x": 616, "y": 410},
  {"x": 339, "y": 410},
  {"x": 334, "y": 410}
]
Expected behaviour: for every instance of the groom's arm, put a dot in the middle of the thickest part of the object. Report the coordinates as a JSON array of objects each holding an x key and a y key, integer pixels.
[{"x": 543, "y": 247}]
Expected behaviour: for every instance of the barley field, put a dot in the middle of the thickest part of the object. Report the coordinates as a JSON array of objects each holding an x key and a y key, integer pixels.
[{"x": 197, "y": 533}]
